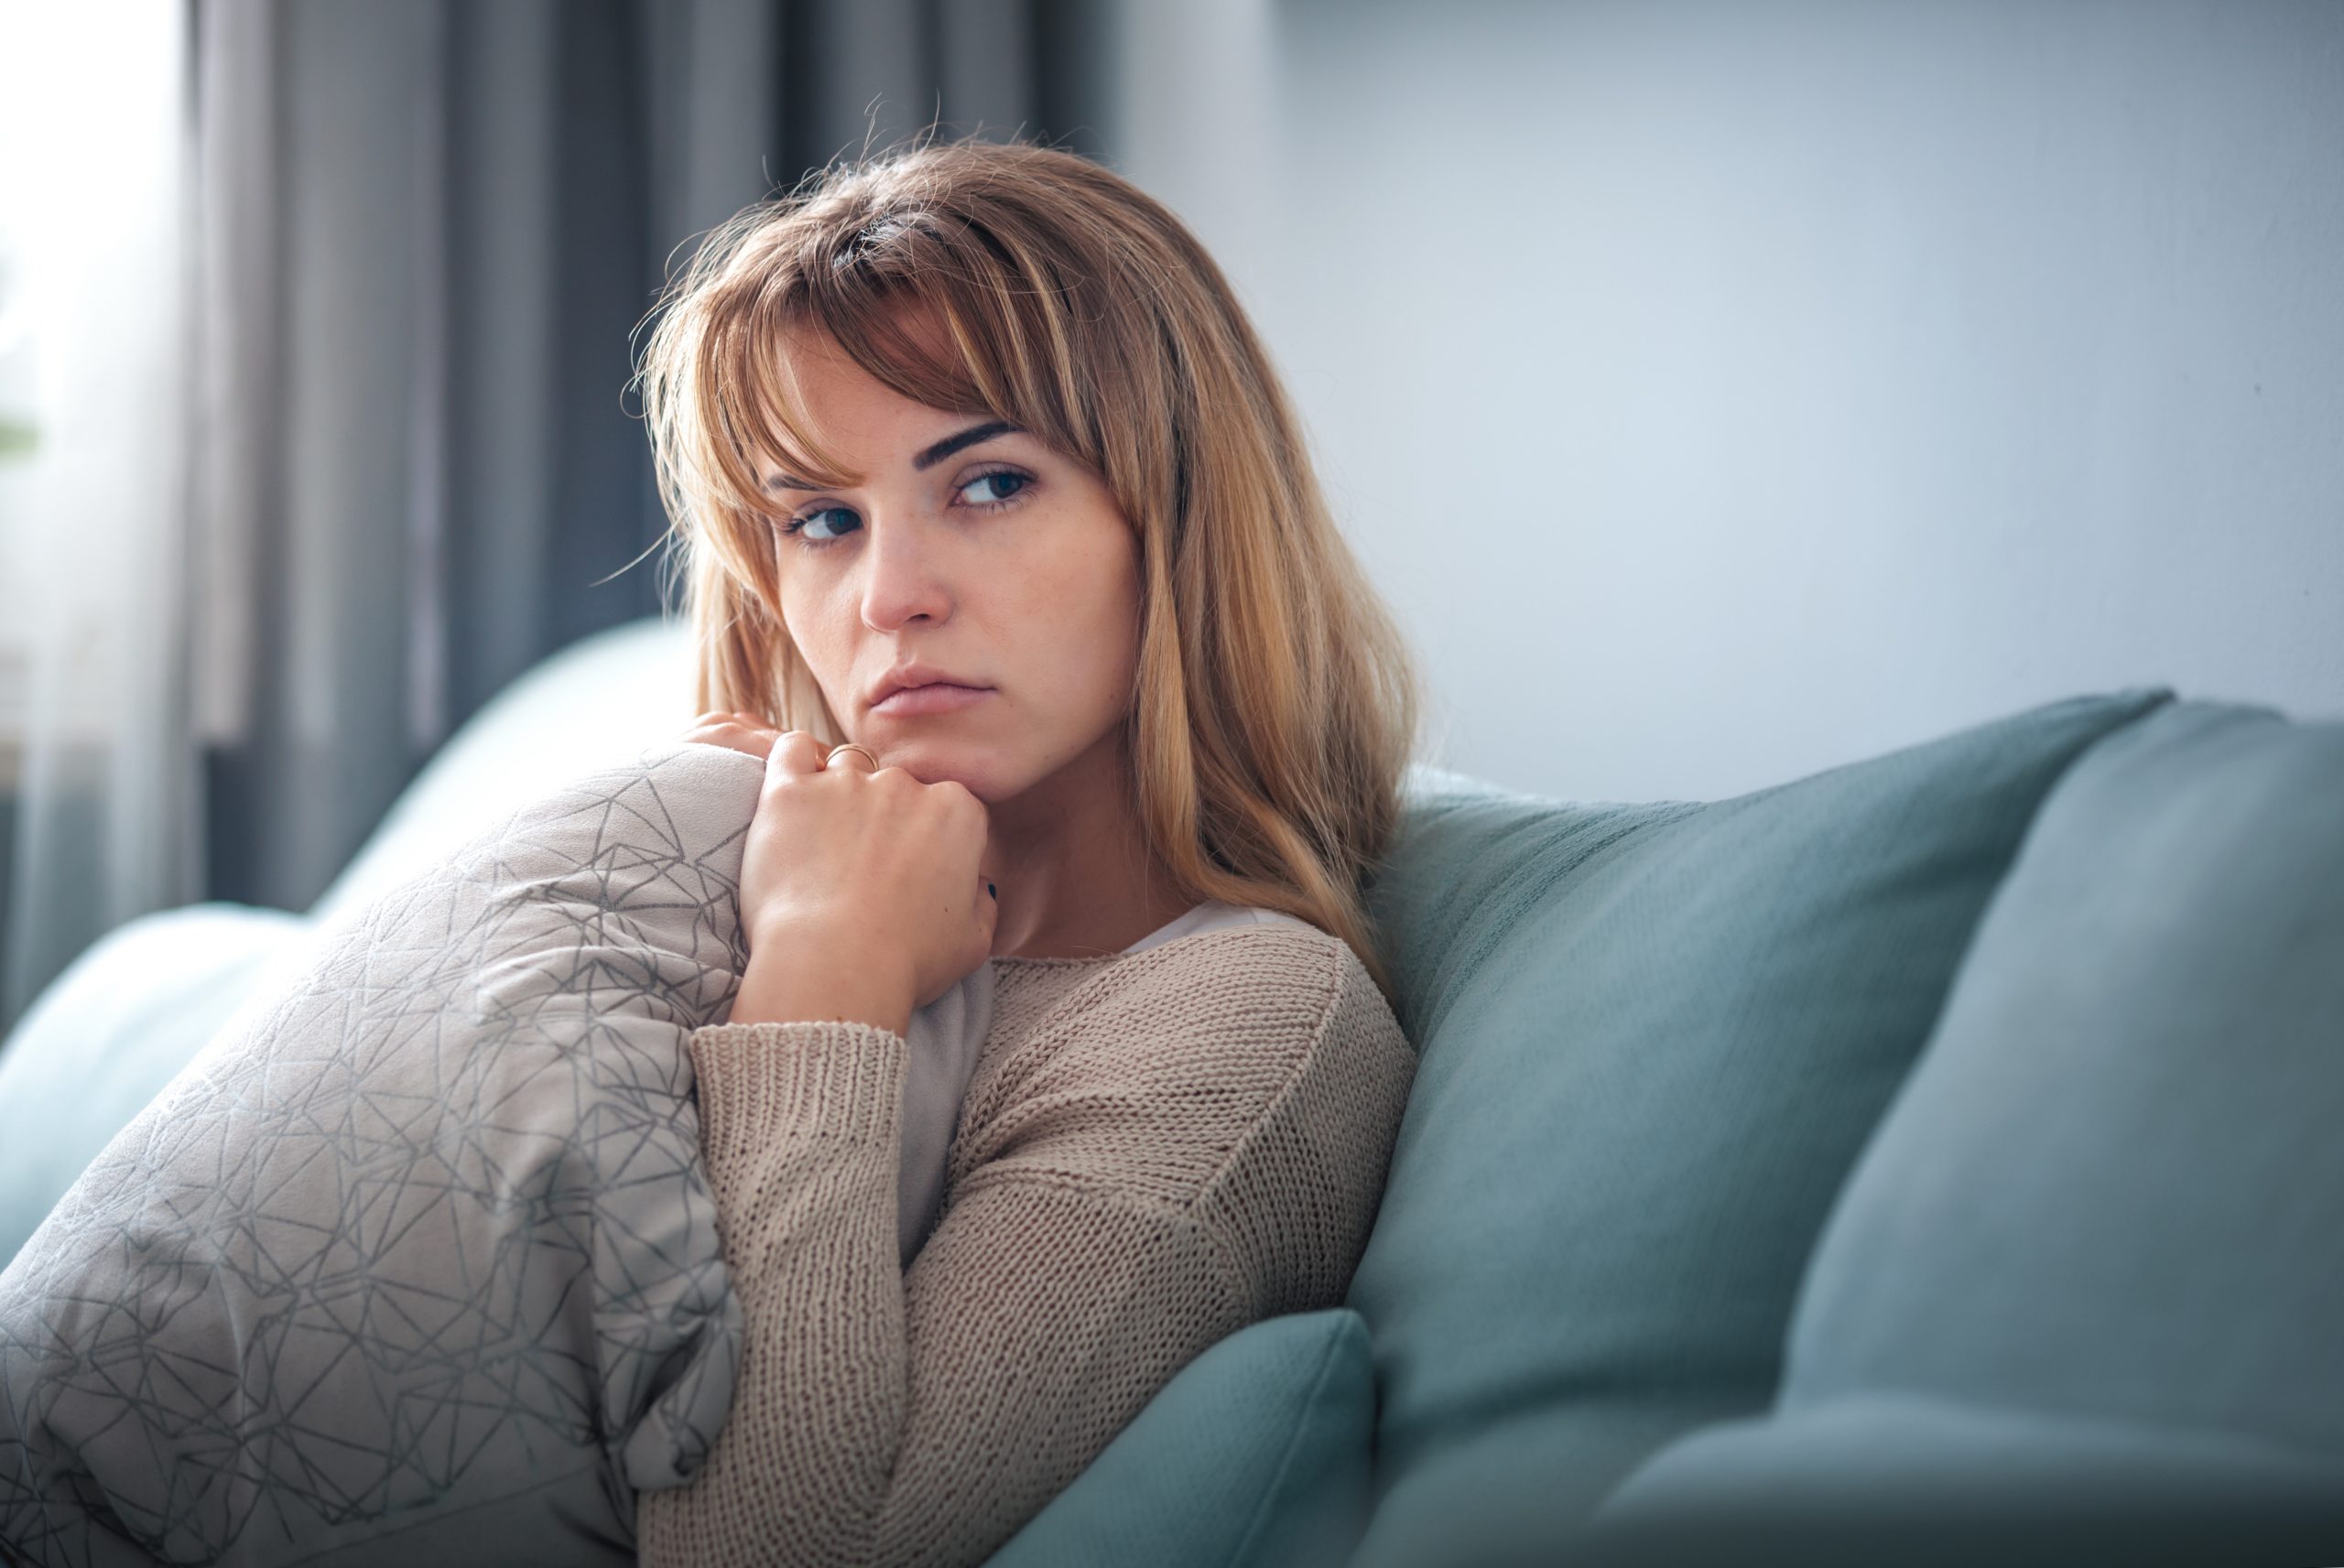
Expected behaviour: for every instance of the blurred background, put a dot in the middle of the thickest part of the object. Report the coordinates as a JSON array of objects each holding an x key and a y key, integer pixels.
[{"x": 1719, "y": 391}]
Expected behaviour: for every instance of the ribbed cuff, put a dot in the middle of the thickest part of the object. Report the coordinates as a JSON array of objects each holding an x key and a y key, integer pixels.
[{"x": 758, "y": 1081}]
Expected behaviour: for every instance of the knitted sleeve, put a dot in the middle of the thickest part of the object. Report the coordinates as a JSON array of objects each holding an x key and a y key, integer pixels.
[{"x": 1147, "y": 1190}]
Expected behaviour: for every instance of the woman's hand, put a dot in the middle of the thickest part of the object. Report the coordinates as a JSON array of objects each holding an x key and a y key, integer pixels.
[
  {"x": 860, "y": 891},
  {"x": 740, "y": 732}
]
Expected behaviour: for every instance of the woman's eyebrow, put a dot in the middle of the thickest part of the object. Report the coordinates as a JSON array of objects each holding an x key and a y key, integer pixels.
[
  {"x": 928, "y": 458},
  {"x": 968, "y": 437}
]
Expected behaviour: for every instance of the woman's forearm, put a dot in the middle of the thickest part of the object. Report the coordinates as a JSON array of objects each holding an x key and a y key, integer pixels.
[
  {"x": 800, "y": 1125},
  {"x": 792, "y": 978}
]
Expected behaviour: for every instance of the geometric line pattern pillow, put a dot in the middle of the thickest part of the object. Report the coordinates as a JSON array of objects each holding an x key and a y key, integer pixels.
[{"x": 418, "y": 1249}]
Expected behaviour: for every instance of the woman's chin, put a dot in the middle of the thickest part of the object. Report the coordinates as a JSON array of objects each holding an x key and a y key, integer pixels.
[{"x": 934, "y": 765}]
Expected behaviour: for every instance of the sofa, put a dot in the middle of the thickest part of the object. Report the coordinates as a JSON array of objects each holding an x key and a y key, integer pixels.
[{"x": 1938, "y": 1158}]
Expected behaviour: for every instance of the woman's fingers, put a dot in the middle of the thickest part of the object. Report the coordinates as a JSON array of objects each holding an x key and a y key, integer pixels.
[
  {"x": 756, "y": 741},
  {"x": 873, "y": 868},
  {"x": 796, "y": 752}
]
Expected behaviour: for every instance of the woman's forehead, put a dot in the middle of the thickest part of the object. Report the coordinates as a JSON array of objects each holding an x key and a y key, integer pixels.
[{"x": 825, "y": 406}]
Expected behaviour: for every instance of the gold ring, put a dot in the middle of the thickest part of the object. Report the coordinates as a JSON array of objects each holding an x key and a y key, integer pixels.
[{"x": 850, "y": 746}]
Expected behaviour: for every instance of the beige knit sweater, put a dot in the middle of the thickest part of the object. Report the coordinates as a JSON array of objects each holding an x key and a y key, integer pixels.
[{"x": 1157, "y": 1148}]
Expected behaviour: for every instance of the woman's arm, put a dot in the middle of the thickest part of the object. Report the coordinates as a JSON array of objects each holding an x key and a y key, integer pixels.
[
  {"x": 782, "y": 985},
  {"x": 1120, "y": 1223}
]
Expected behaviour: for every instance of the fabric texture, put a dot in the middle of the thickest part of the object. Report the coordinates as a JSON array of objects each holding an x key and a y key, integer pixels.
[
  {"x": 421, "y": 1235},
  {"x": 1158, "y": 1149},
  {"x": 946, "y": 1036},
  {"x": 1254, "y": 1456},
  {"x": 2149, "y": 1034},
  {"x": 1922, "y": 1479},
  {"x": 2142, "y": 1283},
  {"x": 1656, "y": 1038}
]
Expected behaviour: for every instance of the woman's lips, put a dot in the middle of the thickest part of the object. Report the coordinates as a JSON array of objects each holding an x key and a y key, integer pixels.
[{"x": 937, "y": 697}]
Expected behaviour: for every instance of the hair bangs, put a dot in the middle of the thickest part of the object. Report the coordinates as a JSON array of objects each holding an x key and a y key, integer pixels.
[
  {"x": 905, "y": 337},
  {"x": 940, "y": 308},
  {"x": 759, "y": 419}
]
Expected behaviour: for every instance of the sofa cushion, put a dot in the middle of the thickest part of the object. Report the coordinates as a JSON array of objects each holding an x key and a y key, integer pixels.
[
  {"x": 2148, "y": 1039},
  {"x": 2112, "y": 1188},
  {"x": 105, "y": 1037},
  {"x": 1654, "y": 1039},
  {"x": 1255, "y": 1453},
  {"x": 1863, "y": 1479}
]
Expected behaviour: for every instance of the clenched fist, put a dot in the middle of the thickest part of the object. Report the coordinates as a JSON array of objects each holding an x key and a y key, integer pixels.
[{"x": 861, "y": 892}]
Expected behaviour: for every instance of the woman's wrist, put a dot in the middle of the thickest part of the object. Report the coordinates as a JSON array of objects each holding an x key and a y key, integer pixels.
[{"x": 792, "y": 981}]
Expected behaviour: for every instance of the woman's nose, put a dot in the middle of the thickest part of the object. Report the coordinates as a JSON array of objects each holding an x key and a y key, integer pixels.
[{"x": 903, "y": 575}]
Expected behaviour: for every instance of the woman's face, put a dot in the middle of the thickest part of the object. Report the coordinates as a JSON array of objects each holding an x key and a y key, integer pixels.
[{"x": 968, "y": 549}]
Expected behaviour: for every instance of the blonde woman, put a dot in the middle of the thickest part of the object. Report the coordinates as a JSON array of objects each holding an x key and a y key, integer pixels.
[{"x": 1004, "y": 552}]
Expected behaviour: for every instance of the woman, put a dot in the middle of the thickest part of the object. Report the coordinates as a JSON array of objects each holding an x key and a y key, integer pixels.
[{"x": 1005, "y": 554}]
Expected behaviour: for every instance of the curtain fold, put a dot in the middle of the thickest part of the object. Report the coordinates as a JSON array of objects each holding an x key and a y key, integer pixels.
[{"x": 419, "y": 241}]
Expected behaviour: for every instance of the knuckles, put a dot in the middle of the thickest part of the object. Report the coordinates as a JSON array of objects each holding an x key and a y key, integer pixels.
[
  {"x": 949, "y": 799},
  {"x": 962, "y": 800}
]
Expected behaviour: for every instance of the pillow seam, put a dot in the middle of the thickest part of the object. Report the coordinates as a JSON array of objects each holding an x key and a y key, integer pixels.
[{"x": 1260, "y": 1520}]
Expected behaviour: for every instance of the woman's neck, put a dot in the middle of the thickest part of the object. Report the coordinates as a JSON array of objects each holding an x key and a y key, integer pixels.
[{"x": 1076, "y": 877}]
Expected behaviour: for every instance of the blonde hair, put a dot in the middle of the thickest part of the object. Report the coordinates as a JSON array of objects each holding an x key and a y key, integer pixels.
[{"x": 1275, "y": 702}]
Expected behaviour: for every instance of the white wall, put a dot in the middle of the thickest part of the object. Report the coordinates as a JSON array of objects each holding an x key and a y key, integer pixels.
[{"x": 1721, "y": 392}]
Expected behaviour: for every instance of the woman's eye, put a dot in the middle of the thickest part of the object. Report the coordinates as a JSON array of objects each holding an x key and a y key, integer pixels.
[
  {"x": 810, "y": 525},
  {"x": 998, "y": 488},
  {"x": 994, "y": 497}
]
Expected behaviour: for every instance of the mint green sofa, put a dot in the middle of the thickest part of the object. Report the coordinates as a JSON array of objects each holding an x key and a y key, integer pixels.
[{"x": 1937, "y": 1159}]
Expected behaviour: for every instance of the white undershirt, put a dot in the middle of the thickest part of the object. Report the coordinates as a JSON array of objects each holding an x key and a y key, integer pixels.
[{"x": 1210, "y": 915}]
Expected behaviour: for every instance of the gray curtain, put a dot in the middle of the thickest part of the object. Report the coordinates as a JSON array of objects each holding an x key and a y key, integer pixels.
[
  {"x": 424, "y": 234},
  {"x": 458, "y": 215}
]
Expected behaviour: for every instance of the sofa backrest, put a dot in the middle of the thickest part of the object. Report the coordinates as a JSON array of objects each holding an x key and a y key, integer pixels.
[
  {"x": 2150, "y": 1033},
  {"x": 1655, "y": 1038},
  {"x": 2077, "y": 1302}
]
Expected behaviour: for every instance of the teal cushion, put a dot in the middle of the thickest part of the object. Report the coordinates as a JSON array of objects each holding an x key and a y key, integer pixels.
[
  {"x": 2149, "y": 1039},
  {"x": 1255, "y": 1452},
  {"x": 2111, "y": 1188},
  {"x": 1868, "y": 1479},
  {"x": 105, "y": 1037},
  {"x": 1654, "y": 1039}
]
